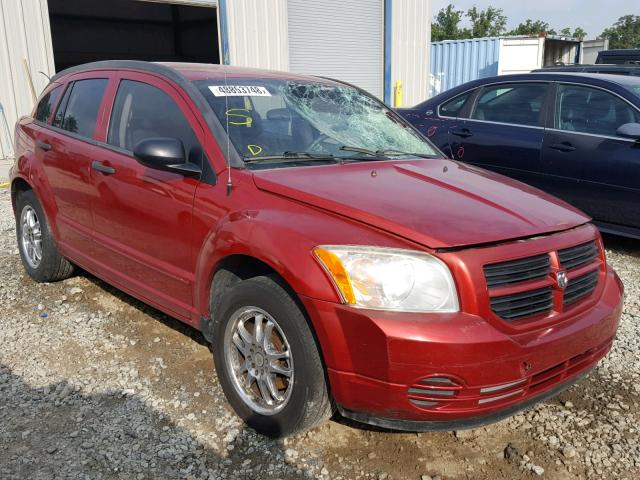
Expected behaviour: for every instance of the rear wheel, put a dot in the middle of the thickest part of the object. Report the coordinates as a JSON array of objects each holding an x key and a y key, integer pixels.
[
  {"x": 267, "y": 359},
  {"x": 36, "y": 245}
]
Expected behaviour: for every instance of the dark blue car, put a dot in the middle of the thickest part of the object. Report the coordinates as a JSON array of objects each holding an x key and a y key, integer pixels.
[{"x": 574, "y": 135}]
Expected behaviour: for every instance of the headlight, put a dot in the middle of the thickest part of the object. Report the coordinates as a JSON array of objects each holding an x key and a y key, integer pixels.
[{"x": 389, "y": 279}]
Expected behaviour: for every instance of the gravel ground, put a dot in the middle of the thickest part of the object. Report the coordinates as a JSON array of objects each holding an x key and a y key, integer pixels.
[{"x": 94, "y": 384}]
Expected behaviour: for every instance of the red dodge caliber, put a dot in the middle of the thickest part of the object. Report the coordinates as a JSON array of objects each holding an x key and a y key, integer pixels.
[{"x": 331, "y": 255}]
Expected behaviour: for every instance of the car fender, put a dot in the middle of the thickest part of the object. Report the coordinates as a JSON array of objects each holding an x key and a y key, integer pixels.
[
  {"x": 42, "y": 188},
  {"x": 272, "y": 239}
]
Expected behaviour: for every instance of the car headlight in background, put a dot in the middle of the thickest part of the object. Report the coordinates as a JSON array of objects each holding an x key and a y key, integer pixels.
[{"x": 389, "y": 279}]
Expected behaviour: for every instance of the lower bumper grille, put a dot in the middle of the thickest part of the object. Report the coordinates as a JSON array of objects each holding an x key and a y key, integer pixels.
[{"x": 454, "y": 396}]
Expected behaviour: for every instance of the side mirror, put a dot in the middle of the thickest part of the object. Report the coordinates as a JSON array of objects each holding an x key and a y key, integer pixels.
[
  {"x": 165, "y": 153},
  {"x": 629, "y": 130}
]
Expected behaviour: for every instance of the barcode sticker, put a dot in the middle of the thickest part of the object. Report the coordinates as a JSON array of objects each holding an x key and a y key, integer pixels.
[{"x": 239, "y": 91}]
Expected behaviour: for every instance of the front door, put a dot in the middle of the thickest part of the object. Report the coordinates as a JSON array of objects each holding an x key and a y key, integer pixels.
[
  {"x": 504, "y": 130},
  {"x": 143, "y": 216},
  {"x": 594, "y": 168}
]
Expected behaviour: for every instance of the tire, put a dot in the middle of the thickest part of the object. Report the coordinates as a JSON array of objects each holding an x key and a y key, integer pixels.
[
  {"x": 51, "y": 266},
  {"x": 306, "y": 397}
]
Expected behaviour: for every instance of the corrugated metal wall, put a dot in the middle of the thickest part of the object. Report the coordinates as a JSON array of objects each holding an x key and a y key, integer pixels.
[
  {"x": 454, "y": 62},
  {"x": 410, "y": 40},
  {"x": 340, "y": 39},
  {"x": 25, "y": 37},
  {"x": 257, "y": 33}
]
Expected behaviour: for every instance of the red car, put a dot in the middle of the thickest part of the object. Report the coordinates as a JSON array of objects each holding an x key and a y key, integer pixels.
[{"x": 330, "y": 254}]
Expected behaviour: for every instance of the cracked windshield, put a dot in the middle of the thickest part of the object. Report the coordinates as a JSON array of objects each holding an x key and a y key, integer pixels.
[{"x": 271, "y": 122}]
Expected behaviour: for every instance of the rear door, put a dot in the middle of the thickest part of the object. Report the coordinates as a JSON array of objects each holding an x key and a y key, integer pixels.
[
  {"x": 589, "y": 165},
  {"x": 504, "y": 130},
  {"x": 143, "y": 217},
  {"x": 66, "y": 148}
]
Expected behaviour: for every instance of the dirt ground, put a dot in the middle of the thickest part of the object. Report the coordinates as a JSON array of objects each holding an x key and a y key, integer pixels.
[{"x": 94, "y": 384}]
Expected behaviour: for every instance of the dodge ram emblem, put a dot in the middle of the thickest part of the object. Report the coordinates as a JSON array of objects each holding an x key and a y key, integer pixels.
[{"x": 562, "y": 280}]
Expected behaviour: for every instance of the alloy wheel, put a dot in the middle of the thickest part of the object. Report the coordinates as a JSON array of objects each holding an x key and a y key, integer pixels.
[
  {"x": 31, "y": 236},
  {"x": 258, "y": 357}
]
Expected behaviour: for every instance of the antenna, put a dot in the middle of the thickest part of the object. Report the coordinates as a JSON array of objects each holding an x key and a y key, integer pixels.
[{"x": 226, "y": 116}]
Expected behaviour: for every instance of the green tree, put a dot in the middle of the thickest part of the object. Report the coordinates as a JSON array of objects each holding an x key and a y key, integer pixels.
[
  {"x": 446, "y": 25},
  {"x": 625, "y": 33},
  {"x": 532, "y": 27},
  {"x": 487, "y": 23},
  {"x": 578, "y": 33}
]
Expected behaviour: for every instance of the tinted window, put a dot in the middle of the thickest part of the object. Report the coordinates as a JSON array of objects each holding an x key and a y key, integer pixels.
[
  {"x": 452, "y": 107},
  {"x": 519, "y": 104},
  {"x": 45, "y": 107},
  {"x": 590, "y": 110},
  {"x": 57, "y": 120},
  {"x": 81, "y": 111},
  {"x": 142, "y": 111}
]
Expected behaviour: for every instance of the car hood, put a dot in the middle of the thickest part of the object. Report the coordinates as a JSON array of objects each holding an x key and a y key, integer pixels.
[{"x": 437, "y": 203}]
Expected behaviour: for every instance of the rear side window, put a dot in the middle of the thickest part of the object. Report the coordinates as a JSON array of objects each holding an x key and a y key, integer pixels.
[
  {"x": 453, "y": 107},
  {"x": 518, "y": 104},
  {"x": 45, "y": 107},
  {"x": 143, "y": 111},
  {"x": 78, "y": 113}
]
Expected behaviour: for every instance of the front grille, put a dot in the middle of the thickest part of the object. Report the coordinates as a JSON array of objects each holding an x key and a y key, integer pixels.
[
  {"x": 524, "y": 287},
  {"x": 514, "y": 271},
  {"x": 580, "y": 287},
  {"x": 524, "y": 304},
  {"x": 577, "y": 256}
]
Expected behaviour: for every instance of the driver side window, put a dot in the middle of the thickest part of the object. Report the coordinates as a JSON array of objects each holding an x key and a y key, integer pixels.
[{"x": 142, "y": 111}]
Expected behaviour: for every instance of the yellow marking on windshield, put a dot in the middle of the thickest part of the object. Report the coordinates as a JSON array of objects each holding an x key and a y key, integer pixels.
[
  {"x": 254, "y": 149},
  {"x": 248, "y": 120}
]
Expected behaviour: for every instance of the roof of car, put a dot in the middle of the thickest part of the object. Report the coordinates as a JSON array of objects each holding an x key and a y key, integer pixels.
[
  {"x": 202, "y": 71},
  {"x": 189, "y": 71},
  {"x": 624, "y": 81},
  {"x": 609, "y": 77}
]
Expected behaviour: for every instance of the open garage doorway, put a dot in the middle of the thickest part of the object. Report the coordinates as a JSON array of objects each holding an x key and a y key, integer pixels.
[{"x": 89, "y": 30}]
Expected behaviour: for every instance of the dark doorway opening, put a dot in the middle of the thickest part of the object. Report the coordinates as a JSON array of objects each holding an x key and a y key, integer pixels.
[{"x": 90, "y": 30}]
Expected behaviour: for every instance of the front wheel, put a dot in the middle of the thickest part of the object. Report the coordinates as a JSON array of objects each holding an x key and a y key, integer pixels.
[{"x": 267, "y": 359}]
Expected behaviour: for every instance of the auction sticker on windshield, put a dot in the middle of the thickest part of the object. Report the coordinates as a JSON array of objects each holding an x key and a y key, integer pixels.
[{"x": 239, "y": 91}]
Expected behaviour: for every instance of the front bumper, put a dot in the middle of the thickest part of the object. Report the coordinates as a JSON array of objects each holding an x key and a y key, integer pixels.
[{"x": 380, "y": 363}]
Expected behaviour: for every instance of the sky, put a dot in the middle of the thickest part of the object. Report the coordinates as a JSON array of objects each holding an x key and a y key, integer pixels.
[{"x": 592, "y": 15}]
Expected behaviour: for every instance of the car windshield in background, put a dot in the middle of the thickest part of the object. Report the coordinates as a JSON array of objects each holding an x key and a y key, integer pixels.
[{"x": 272, "y": 121}]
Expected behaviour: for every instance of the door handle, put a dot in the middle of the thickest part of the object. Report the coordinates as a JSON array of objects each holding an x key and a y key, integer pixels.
[
  {"x": 101, "y": 167},
  {"x": 462, "y": 132},
  {"x": 563, "y": 147},
  {"x": 43, "y": 145}
]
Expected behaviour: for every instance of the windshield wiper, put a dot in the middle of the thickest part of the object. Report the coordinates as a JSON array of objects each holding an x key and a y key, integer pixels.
[
  {"x": 400, "y": 152},
  {"x": 384, "y": 153},
  {"x": 291, "y": 157},
  {"x": 366, "y": 151}
]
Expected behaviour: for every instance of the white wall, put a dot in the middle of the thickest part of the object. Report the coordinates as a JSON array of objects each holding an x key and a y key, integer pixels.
[
  {"x": 25, "y": 36},
  {"x": 410, "y": 48},
  {"x": 258, "y": 35}
]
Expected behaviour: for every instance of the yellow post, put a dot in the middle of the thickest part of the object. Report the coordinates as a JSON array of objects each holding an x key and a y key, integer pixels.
[{"x": 397, "y": 94}]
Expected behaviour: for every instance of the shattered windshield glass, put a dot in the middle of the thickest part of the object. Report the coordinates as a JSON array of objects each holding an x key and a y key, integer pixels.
[{"x": 272, "y": 119}]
